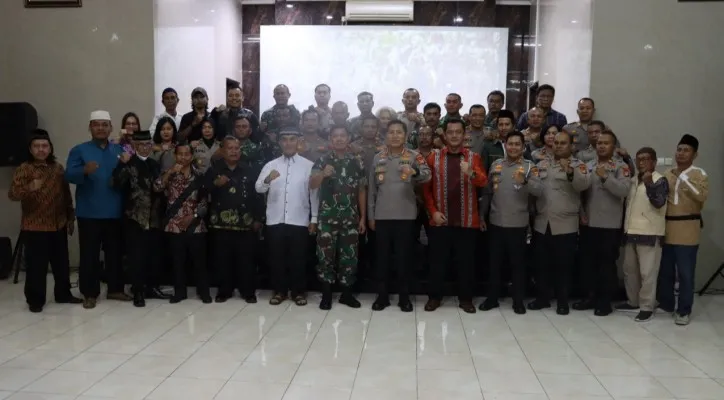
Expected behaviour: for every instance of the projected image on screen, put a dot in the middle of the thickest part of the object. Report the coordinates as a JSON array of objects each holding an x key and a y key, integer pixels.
[{"x": 384, "y": 61}]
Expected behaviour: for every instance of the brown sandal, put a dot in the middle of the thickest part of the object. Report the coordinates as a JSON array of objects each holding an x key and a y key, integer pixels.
[
  {"x": 277, "y": 299},
  {"x": 300, "y": 300}
]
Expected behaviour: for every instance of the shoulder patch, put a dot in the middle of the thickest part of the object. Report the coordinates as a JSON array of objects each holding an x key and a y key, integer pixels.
[
  {"x": 625, "y": 171},
  {"x": 534, "y": 171},
  {"x": 582, "y": 168}
]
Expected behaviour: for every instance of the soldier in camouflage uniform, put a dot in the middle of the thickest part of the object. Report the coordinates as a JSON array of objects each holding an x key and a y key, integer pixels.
[
  {"x": 342, "y": 182},
  {"x": 370, "y": 143},
  {"x": 365, "y": 102},
  {"x": 431, "y": 112},
  {"x": 271, "y": 121},
  {"x": 410, "y": 116},
  {"x": 312, "y": 145},
  {"x": 322, "y": 94}
]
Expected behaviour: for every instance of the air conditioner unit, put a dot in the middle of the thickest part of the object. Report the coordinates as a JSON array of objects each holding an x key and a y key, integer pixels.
[{"x": 379, "y": 10}]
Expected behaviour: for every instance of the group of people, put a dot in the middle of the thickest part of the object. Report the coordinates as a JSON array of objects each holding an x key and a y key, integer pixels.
[{"x": 319, "y": 181}]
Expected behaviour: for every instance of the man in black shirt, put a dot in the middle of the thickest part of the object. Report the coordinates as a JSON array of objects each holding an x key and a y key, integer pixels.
[
  {"x": 236, "y": 215},
  {"x": 191, "y": 122}
]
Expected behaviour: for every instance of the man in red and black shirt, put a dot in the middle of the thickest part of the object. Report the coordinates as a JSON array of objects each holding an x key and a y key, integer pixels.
[{"x": 451, "y": 200}]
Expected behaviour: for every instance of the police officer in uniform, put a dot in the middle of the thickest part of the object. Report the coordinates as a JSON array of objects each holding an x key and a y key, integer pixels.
[
  {"x": 604, "y": 203},
  {"x": 510, "y": 183},
  {"x": 556, "y": 225},
  {"x": 342, "y": 182},
  {"x": 579, "y": 130},
  {"x": 392, "y": 211},
  {"x": 593, "y": 130}
]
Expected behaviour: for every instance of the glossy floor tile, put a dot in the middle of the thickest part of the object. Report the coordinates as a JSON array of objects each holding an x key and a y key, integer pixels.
[{"x": 234, "y": 350}]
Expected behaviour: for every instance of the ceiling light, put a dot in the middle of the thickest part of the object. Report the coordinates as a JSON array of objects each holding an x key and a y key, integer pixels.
[
  {"x": 458, "y": 19},
  {"x": 290, "y": 5},
  {"x": 329, "y": 17}
]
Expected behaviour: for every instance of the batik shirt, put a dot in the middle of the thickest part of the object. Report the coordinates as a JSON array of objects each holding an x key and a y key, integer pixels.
[
  {"x": 195, "y": 203},
  {"x": 236, "y": 205},
  {"x": 49, "y": 208},
  {"x": 135, "y": 181},
  {"x": 339, "y": 194}
]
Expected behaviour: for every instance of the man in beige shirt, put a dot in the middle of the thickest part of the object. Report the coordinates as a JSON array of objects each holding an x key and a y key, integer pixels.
[{"x": 688, "y": 191}]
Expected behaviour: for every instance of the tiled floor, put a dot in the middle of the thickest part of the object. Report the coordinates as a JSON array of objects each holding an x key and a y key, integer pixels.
[{"x": 192, "y": 351}]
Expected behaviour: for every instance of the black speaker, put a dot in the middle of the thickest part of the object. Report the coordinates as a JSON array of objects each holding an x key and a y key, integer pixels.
[{"x": 17, "y": 122}]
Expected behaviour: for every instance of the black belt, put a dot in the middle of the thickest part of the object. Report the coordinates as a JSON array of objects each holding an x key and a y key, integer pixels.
[{"x": 691, "y": 217}]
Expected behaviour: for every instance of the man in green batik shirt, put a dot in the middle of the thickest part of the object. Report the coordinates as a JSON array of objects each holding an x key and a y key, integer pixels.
[{"x": 341, "y": 180}]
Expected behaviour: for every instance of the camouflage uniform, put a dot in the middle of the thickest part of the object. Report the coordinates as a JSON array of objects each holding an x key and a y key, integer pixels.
[
  {"x": 312, "y": 148},
  {"x": 367, "y": 150},
  {"x": 404, "y": 116},
  {"x": 269, "y": 117},
  {"x": 339, "y": 218},
  {"x": 354, "y": 126}
]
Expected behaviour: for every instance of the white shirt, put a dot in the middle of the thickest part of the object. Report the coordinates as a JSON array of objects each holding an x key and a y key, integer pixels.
[
  {"x": 177, "y": 120},
  {"x": 289, "y": 198}
]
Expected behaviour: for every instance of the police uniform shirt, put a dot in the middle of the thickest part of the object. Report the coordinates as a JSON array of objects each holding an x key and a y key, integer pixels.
[
  {"x": 507, "y": 198},
  {"x": 579, "y": 136},
  {"x": 604, "y": 200},
  {"x": 392, "y": 196},
  {"x": 560, "y": 204}
]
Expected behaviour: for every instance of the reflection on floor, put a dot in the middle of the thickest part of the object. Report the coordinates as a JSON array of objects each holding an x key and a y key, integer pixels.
[{"x": 191, "y": 351}]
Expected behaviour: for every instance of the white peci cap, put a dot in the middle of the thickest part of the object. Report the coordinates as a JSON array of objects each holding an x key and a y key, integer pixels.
[{"x": 100, "y": 115}]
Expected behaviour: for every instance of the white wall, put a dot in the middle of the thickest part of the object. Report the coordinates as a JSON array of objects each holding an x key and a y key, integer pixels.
[
  {"x": 198, "y": 43},
  {"x": 564, "y": 50},
  {"x": 68, "y": 62},
  {"x": 656, "y": 73}
]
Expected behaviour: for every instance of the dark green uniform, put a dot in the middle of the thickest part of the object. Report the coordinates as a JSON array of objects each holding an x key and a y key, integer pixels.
[
  {"x": 339, "y": 218},
  {"x": 367, "y": 150},
  {"x": 492, "y": 151},
  {"x": 312, "y": 147}
]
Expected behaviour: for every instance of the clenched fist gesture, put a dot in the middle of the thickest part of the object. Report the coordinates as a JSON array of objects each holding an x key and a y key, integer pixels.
[
  {"x": 124, "y": 158},
  {"x": 90, "y": 167},
  {"x": 566, "y": 165},
  {"x": 274, "y": 174},
  {"x": 328, "y": 171},
  {"x": 601, "y": 171},
  {"x": 465, "y": 167},
  {"x": 221, "y": 180}
]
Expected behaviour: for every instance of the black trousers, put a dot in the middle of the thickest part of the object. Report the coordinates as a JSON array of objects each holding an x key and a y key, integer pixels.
[
  {"x": 599, "y": 275},
  {"x": 235, "y": 263},
  {"x": 42, "y": 248},
  {"x": 394, "y": 242},
  {"x": 555, "y": 256},
  {"x": 186, "y": 247},
  {"x": 92, "y": 234},
  {"x": 288, "y": 246},
  {"x": 145, "y": 256},
  {"x": 507, "y": 248},
  {"x": 452, "y": 247}
]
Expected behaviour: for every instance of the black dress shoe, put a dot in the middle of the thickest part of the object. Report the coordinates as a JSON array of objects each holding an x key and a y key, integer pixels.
[
  {"x": 176, "y": 299},
  {"x": 349, "y": 300},
  {"x": 250, "y": 299},
  {"x": 603, "y": 311},
  {"x": 325, "y": 304},
  {"x": 138, "y": 300},
  {"x": 536, "y": 305},
  {"x": 156, "y": 293},
  {"x": 584, "y": 305},
  {"x": 380, "y": 303},
  {"x": 35, "y": 309},
  {"x": 69, "y": 300},
  {"x": 563, "y": 310},
  {"x": 489, "y": 304},
  {"x": 405, "y": 306},
  {"x": 221, "y": 299},
  {"x": 519, "y": 308},
  {"x": 206, "y": 299}
]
